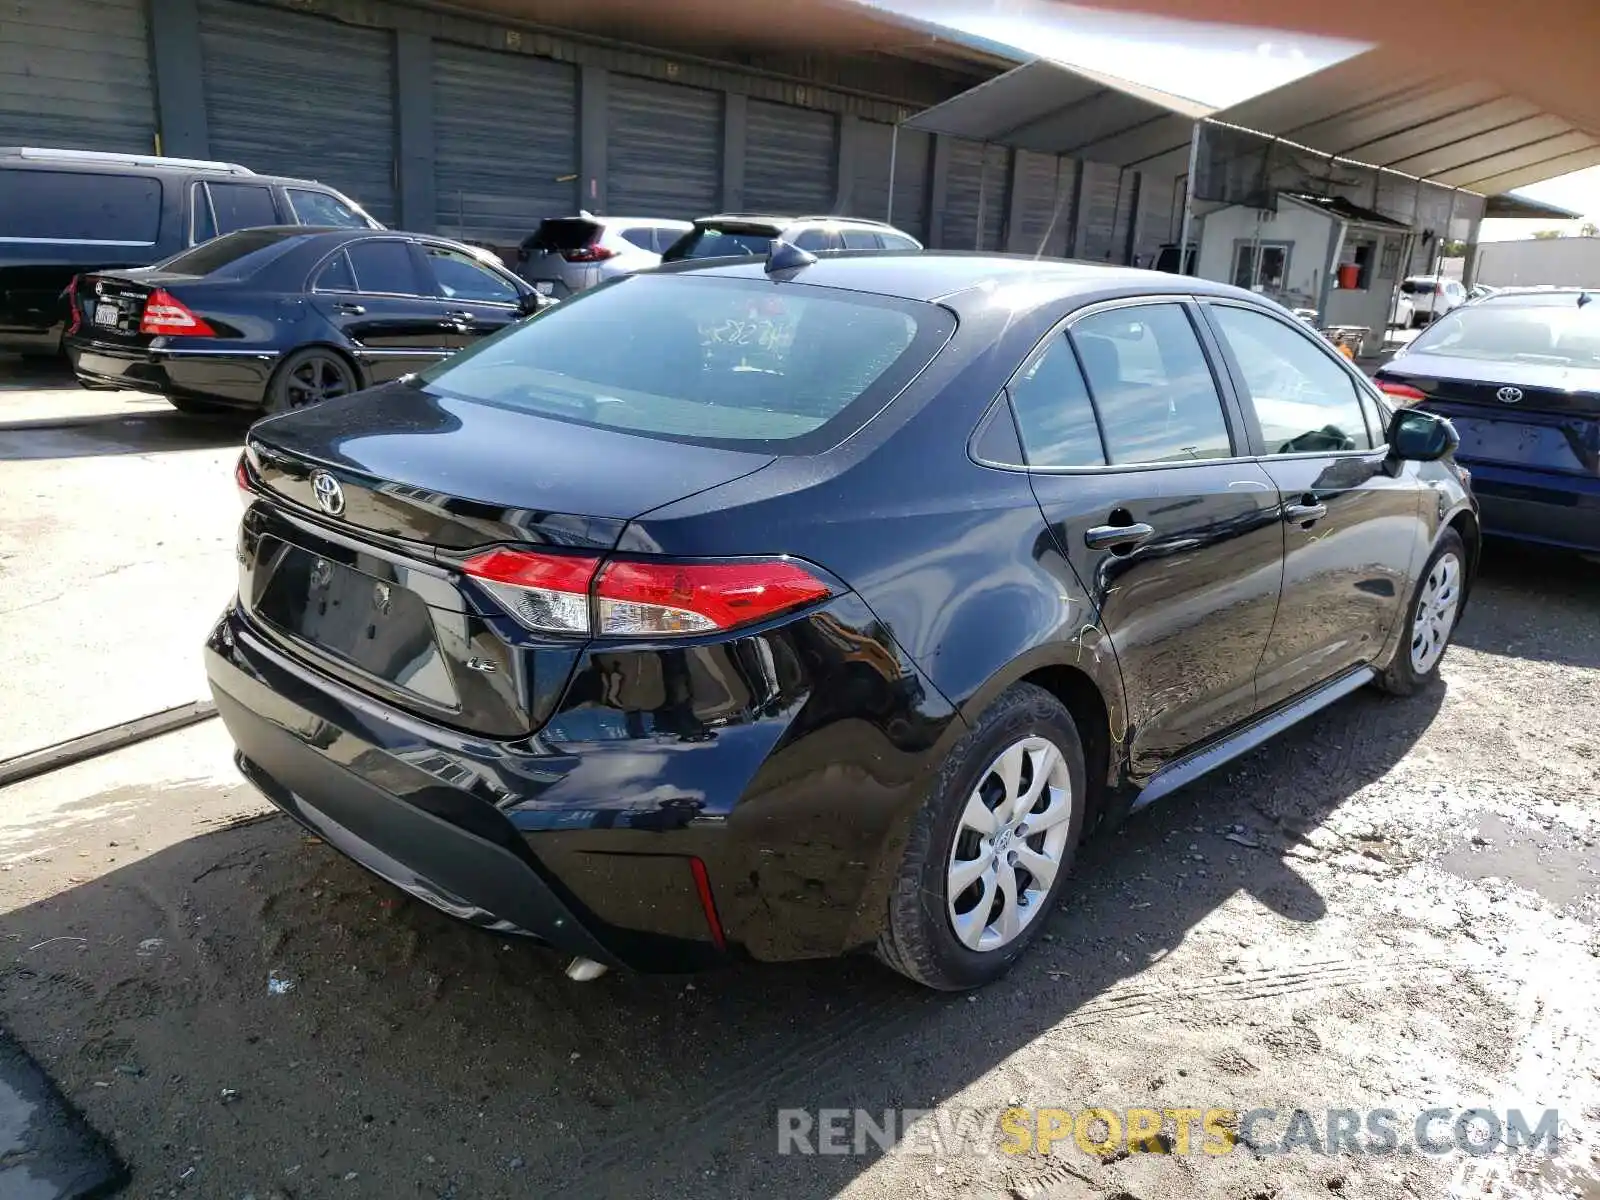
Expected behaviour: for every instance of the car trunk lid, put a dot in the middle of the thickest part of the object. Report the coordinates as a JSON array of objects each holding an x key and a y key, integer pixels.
[
  {"x": 111, "y": 305},
  {"x": 362, "y": 575},
  {"x": 1542, "y": 416}
]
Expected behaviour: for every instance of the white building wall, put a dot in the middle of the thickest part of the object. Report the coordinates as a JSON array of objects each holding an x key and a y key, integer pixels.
[
  {"x": 1303, "y": 229},
  {"x": 1570, "y": 262}
]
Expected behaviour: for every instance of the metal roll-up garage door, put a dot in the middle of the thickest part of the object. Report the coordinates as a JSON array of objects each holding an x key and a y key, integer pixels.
[
  {"x": 75, "y": 75},
  {"x": 502, "y": 167},
  {"x": 871, "y": 196},
  {"x": 791, "y": 157},
  {"x": 975, "y": 197},
  {"x": 663, "y": 149},
  {"x": 1046, "y": 205},
  {"x": 1102, "y": 229},
  {"x": 288, "y": 94}
]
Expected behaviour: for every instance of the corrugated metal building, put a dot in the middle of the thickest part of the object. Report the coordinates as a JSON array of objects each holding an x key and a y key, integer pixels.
[{"x": 464, "y": 118}]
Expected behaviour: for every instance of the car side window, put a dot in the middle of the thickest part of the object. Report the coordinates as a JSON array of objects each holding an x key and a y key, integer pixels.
[
  {"x": 1054, "y": 415},
  {"x": 814, "y": 239},
  {"x": 319, "y": 208},
  {"x": 641, "y": 236},
  {"x": 895, "y": 241},
  {"x": 860, "y": 239},
  {"x": 386, "y": 268},
  {"x": 335, "y": 276},
  {"x": 1305, "y": 401},
  {"x": 241, "y": 206},
  {"x": 460, "y": 277},
  {"x": 1151, "y": 385}
]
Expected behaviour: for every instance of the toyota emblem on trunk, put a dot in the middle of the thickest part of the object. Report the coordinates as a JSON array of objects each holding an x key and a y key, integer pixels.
[
  {"x": 330, "y": 496},
  {"x": 1508, "y": 395}
]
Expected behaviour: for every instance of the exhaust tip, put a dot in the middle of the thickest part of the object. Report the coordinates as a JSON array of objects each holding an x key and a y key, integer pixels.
[{"x": 585, "y": 970}]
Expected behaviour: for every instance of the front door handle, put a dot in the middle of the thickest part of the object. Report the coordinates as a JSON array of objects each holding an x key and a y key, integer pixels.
[
  {"x": 1304, "y": 514},
  {"x": 354, "y": 310},
  {"x": 460, "y": 315},
  {"x": 1104, "y": 537}
]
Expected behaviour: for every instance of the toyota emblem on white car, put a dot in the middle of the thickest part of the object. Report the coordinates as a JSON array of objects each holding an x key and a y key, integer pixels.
[
  {"x": 1509, "y": 395},
  {"x": 330, "y": 496}
]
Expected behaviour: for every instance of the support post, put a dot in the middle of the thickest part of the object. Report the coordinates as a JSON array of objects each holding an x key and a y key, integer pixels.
[
  {"x": 594, "y": 85},
  {"x": 415, "y": 198},
  {"x": 735, "y": 113},
  {"x": 894, "y": 151},
  {"x": 177, "y": 65},
  {"x": 1188, "y": 202}
]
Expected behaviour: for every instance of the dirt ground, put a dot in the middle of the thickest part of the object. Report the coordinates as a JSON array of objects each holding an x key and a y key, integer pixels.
[{"x": 1394, "y": 906}]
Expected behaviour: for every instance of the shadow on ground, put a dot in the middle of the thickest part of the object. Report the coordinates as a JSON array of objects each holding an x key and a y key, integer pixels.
[
  {"x": 433, "y": 1060},
  {"x": 1531, "y": 603},
  {"x": 149, "y": 432}
]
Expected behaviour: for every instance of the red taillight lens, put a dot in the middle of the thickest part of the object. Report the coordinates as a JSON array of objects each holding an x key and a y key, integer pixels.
[
  {"x": 1401, "y": 391},
  {"x": 72, "y": 306},
  {"x": 588, "y": 254},
  {"x": 644, "y": 598},
  {"x": 708, "y": 903},
  {"x": 167, "y": 316},
  {"x": 545, "y": 592},
  {"x": 241, "y": 478},
  {"x": 641, "y": 597}
]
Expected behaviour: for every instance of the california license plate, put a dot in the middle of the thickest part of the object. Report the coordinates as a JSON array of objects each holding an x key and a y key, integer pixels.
[{"x": 106, "y": 313}]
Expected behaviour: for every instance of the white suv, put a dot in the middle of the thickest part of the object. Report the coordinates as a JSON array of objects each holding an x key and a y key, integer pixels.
[
  {"x": 1431, "y": 296},
  {"x": 734, "y": 235}
]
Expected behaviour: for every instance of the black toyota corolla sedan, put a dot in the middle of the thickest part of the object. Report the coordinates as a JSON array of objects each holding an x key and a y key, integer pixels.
[
  {"x": 280, "y": 317},
  {"x": 777, "y": 610}
]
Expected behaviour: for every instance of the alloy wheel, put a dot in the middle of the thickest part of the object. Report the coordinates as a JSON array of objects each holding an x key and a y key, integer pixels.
[
  {"x": 1009, "y": 845},
  {"x": 1436, "y": 613},
  {"x": 317, "y": 378}
]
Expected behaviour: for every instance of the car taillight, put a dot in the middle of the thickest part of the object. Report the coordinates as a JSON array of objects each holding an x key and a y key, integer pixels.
[
  {"x": 166, "y": 315},
  {"x": 567, "y": 593},
  {"x": 588, "y": 254},
  {"x": 241, "y": 477},
  {"x": 72, "y": 306},
  {"x": 1401, "y": 391}
]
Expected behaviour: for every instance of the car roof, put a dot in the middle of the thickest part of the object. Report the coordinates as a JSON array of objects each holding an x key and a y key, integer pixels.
[
  {"x": 937, "y": 275},
  {"x": 780, "y": 221}
]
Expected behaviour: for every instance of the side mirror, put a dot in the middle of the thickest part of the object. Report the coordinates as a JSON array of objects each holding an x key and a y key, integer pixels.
[
  {"x": 1418, "y": 436},
  {"x": 534, "y": 302}
]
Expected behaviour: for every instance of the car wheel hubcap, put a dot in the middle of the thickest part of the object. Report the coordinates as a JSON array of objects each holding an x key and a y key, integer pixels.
[
  {"x": 1436, "y": 613},
  {"x": 1009, "y": 844},
  {"x": 316, "y": 380}
]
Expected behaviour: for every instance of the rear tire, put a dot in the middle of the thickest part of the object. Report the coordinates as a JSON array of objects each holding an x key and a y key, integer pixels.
[
  {"x": 966, "y": 903},
  {"x": 1431, "y": 615},
  {"x": 309, "y": 377}
]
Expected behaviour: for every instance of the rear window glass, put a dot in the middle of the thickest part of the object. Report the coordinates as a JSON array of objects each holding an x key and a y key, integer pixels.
[
  {"x": 719, "y": 362},
  {"x": 241, "y": 206},
  {"x": 567, "y": 233},
  {"x": 1553, "y": 330},
  {"x": 386, "y": 268},
  {"x": 71, "y": 206},
  {"x": 239, "y": 254},
  {"x": 321, "y": 208},
  {"x": 1418, "y": 287},
  {"x": 720, "y": 243}
]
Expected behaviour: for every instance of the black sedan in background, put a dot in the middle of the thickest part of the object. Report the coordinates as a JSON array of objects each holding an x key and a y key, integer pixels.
[
  {"x": 1518, "y": 374},
  {"x": 782, "y": 610},
  {"x": 276, "y": 318}
]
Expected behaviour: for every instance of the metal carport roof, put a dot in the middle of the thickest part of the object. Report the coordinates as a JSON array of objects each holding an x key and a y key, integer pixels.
[{"x": 1383, "y": 108}]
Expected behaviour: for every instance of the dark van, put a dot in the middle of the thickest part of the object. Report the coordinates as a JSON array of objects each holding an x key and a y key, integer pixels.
[{"x": 63, "y": 212}]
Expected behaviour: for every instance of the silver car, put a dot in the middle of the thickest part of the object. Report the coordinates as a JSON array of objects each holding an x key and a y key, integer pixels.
[
  {"x": 565, "y": 255},
  {"x": 738, "y": 234}
]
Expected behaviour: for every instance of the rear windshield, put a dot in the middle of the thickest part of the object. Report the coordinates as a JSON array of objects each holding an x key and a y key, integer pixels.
[
  {"x": 719, "y": 243},
  {"x": 1546, "y": 329},
  {"x": 744, "y": 364},
  {"x": 236, "y": 254},
  {"x": 566, "y": 233},
  {"x": 80, "y": 206},
  {"x": 1418, "y": 287}
]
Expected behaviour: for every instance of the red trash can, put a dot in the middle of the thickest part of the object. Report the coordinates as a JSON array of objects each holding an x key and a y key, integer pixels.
[{"x": 1349, "y": 275}]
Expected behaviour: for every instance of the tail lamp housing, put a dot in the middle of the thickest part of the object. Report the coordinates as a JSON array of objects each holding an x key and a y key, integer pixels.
[
  {"x": 638, "y": 597},
  {"x": 167, "y": 316}
]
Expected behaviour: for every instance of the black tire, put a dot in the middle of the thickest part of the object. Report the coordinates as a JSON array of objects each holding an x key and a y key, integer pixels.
[
  {"x": 198, "y": 408},
  {"x": 309, "y": 377},
  {"x": 1402, "y": 677},
  {"x": 919, "y": 940}
]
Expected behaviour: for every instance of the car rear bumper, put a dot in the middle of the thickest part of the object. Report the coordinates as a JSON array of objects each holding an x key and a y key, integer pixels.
[
  {"x": 236, "y": 378},
  {"x": 596, "y": 835},
  {"x": 1545, "y": 507}
]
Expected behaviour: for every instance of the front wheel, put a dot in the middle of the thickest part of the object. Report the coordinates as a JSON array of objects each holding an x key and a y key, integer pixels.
[
  {"x": 1430, "y": 618},
  {"x": 309, "y": 377},
  {"x": 991, "y": 847}
]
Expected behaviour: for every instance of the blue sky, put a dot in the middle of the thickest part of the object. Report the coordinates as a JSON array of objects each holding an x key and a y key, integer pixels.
[{"x": 1214, "y": 64}]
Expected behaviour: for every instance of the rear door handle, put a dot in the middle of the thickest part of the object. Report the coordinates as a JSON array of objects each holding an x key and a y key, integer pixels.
[
  {"x": 1104, "y": 537},
  {"x": 354, "y": 310},
  {"x": 1304, "y": 514}
]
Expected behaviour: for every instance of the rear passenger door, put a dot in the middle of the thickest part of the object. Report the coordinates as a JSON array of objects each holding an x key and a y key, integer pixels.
[
  {"x": 1348, "y": 525},
  {"x": 375, "y": 293},
  {"x": 1144, "y": 477}
]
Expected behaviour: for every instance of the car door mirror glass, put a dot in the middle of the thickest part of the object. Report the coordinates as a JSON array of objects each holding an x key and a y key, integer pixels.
[{"x": 1417, "y": 436}]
